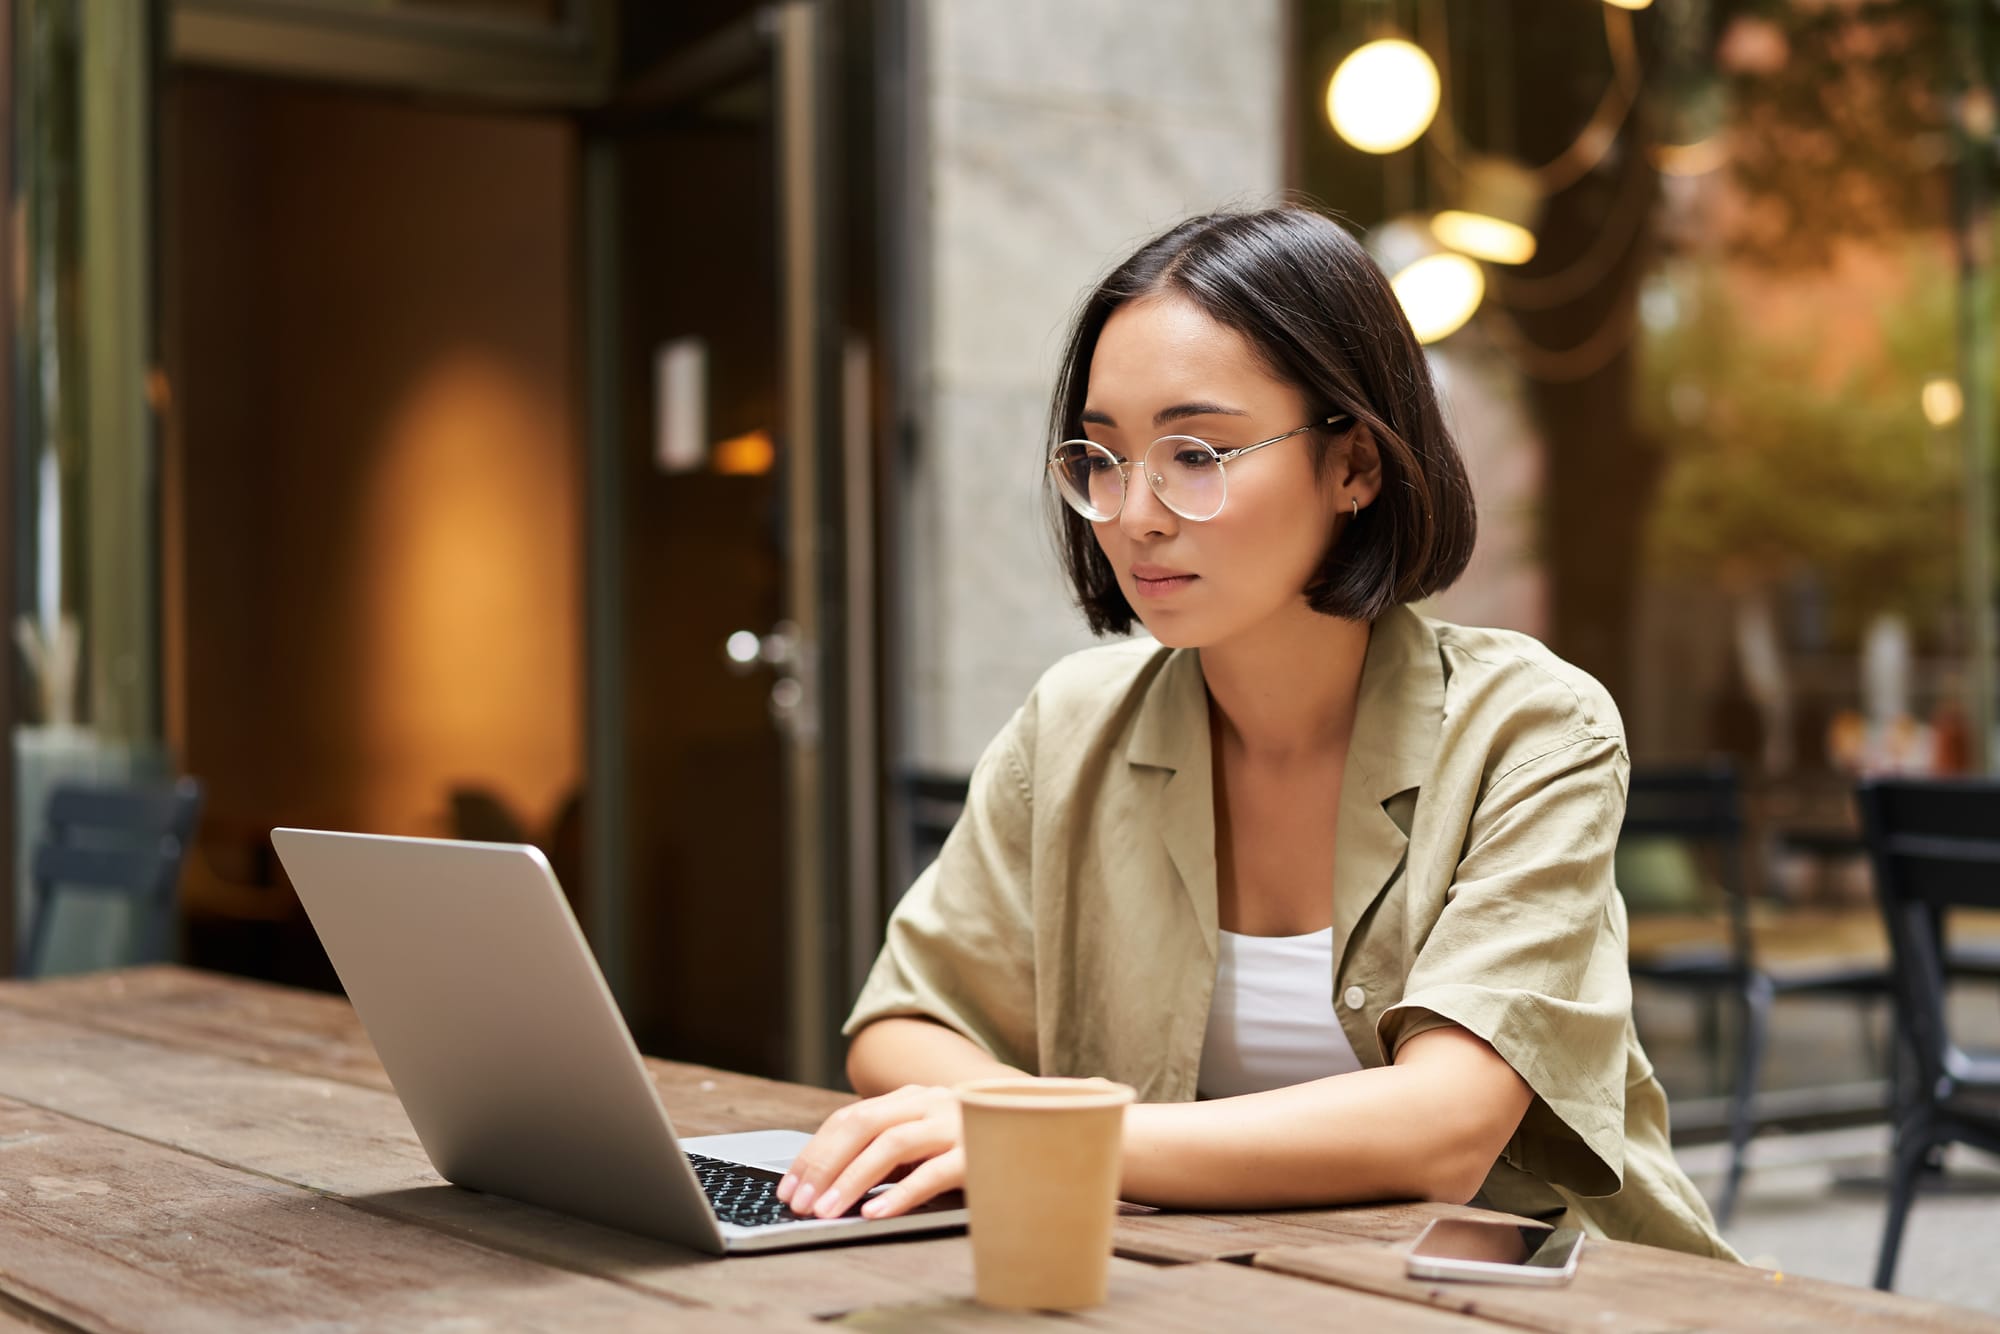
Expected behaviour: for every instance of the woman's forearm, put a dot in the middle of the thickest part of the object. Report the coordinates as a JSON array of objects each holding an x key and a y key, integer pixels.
[
  {"x": 890, "y": 1053},
  {"x": 1429, "y": 1127}
]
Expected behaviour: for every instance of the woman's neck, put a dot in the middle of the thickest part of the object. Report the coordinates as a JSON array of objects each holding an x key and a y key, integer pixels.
[{"x": 1287, "y": 690}]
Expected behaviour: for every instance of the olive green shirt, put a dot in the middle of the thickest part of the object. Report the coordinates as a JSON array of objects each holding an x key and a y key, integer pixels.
[{"x": 1068, "y": 926}]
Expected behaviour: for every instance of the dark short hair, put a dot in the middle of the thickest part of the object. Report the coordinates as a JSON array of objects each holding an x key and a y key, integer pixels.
[{"x": 1321, "y": 316}]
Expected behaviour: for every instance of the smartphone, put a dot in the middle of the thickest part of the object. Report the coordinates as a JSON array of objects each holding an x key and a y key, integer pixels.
[{"x": 1480, "y": 1251}]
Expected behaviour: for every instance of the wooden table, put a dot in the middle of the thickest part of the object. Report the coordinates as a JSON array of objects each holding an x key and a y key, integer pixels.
[{"x": 181, "y": 1151}]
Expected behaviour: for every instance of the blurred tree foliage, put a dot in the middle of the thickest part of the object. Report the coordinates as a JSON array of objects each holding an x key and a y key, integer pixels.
[
  {"x": 1773, "y": 473},
  {"x": 1838, "y": 120}
]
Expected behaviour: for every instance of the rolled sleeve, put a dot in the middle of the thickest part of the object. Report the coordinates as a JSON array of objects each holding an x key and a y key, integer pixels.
[
  {"x": 1529, "y": 955},
  {"x": 960, "y": 946}
]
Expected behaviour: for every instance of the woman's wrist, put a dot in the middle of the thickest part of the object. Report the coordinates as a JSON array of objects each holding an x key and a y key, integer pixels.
[
  {"x": 906, "y": 1049},
  {"x": 1149, "y": 1131}
]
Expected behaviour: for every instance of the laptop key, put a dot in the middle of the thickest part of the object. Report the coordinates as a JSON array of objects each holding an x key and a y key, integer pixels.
[{"x": 743, "y": 1195}]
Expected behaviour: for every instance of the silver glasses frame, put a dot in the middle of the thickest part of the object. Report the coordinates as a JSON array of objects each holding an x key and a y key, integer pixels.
[{"x": 1153, "y": 478}]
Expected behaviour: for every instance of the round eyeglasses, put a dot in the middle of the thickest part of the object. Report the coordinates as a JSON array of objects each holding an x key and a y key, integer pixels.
[{"x": 1184, "y": 472}]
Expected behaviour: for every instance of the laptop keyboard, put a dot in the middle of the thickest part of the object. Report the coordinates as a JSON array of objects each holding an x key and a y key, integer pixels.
[{"x": 742, "y": 1195}]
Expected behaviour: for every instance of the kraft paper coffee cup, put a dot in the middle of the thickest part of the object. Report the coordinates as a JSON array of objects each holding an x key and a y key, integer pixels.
[{"x": 1042, "y": 1162}]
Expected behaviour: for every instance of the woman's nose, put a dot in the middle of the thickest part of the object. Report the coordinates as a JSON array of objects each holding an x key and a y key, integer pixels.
[{"x": 1144, "y": 514}]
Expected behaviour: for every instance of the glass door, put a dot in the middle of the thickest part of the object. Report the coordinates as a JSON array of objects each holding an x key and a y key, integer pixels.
[{"x": 82, "y": 701}]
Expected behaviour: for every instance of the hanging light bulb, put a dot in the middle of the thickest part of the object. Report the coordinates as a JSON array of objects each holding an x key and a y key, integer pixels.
[
  {"x": 1499, "y": 205},
  {"x": 1942, "y": 400},
  {"x": 1629, "y": 4},
  {"x": 1383, "y": 95},
  {"x": 1437, "y": 289},
  {"x": 1439, "y": 294}
]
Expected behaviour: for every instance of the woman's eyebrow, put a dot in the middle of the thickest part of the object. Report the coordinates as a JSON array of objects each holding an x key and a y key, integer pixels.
[
  {"x": 1178, "y": 412},
  {"x": 1182, "y": 410}
]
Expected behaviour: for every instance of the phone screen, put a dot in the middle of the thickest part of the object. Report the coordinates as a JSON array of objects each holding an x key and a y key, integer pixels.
[{"x": 1498, "y": 1243}]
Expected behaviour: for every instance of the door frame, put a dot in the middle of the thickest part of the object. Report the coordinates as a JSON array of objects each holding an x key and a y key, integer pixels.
[
  {"x": 834, "y": 779},
  {"x": 10, "y": 466},
  {"x": 565, "y": 63},
  {"x": 831, "y": 769}
]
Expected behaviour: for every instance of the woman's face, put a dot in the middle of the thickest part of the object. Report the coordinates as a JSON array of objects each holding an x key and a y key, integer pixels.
[{"x": 1163, "y": 367}]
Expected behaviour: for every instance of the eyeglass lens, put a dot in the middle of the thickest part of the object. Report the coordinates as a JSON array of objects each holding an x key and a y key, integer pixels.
[{"x": 1184, "y": 473}]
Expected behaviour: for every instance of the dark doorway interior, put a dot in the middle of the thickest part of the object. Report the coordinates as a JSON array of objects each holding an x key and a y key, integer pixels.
[
  {"x": 413, "y": 432},
  {"x": 373, "y": 483}
]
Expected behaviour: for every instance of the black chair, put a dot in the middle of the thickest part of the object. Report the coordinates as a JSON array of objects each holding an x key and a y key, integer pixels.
[
  {"x": 932, "y": 803},
  {"x": 479, "y": 814},
  {"x": 1702, "y": 806},
  {"x": 125, "y": 841},
  {"x": 1936, "y": 847}
]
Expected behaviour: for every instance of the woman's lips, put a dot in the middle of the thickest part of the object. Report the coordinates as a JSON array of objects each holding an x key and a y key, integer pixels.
[{"x": 1156, "y": 581}]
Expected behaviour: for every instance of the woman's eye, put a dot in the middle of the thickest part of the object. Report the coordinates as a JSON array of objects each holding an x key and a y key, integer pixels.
[{"x": 1195, "y": 459}]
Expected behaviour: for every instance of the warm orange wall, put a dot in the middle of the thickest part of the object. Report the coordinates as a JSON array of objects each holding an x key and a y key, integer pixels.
[{"x": 371, "y": 336}]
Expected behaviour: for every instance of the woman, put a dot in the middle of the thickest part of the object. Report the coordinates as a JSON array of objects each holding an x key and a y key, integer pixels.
[{"x": 1328, "y": 882}]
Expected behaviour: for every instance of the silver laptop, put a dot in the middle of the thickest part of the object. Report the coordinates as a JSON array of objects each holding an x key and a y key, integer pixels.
[{"x": 466, "y": 967}]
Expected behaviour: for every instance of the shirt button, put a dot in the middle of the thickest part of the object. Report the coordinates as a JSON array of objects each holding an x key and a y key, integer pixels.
[{"x": 1355, "y": 998}]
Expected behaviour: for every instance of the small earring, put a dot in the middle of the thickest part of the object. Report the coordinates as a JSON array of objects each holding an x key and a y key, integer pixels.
[{"x": 1357, "y": 506}]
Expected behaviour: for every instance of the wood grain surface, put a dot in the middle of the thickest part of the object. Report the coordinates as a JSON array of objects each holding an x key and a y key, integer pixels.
[
  {"x": 1622, "y": 1286},
  {"x": 180, "y": 1151}
]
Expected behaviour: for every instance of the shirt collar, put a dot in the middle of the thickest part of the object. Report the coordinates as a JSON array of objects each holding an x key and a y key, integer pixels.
[
  {"x": 1394, "y": 747},
  {"x": 1401, "y": 707}
]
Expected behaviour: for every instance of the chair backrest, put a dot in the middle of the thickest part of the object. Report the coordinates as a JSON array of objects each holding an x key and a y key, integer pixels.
[
  {"x": 1935, "y": 844},
  {"x": 127, "y": 841},
  {"x": 1699, "y": 802},
  {"x": 933, "y": 802},
  {"x": 480, "y": 815},
  {"x": 1700, "y": 805}
]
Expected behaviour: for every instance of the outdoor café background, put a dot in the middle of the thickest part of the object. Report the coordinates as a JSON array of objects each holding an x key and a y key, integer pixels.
[{"x": 618, "y": 425}]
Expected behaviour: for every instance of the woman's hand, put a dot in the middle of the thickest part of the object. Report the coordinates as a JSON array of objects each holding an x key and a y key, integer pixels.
[{"x": 860, "y": 1145}]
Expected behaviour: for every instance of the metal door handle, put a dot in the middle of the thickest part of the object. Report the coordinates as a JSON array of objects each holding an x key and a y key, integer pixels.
[{"x": 794, "y": 705}]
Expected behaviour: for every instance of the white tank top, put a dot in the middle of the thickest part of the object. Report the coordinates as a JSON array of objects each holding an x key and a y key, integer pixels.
[{"x": 1271, "y": 1023}]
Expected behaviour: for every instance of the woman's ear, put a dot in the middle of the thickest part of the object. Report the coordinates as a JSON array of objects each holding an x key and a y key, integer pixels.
[{"x": 1355, "y": 467}]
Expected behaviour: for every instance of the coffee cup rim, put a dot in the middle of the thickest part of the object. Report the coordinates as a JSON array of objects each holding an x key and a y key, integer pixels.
[{"x": 1028, "y": 1092}]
